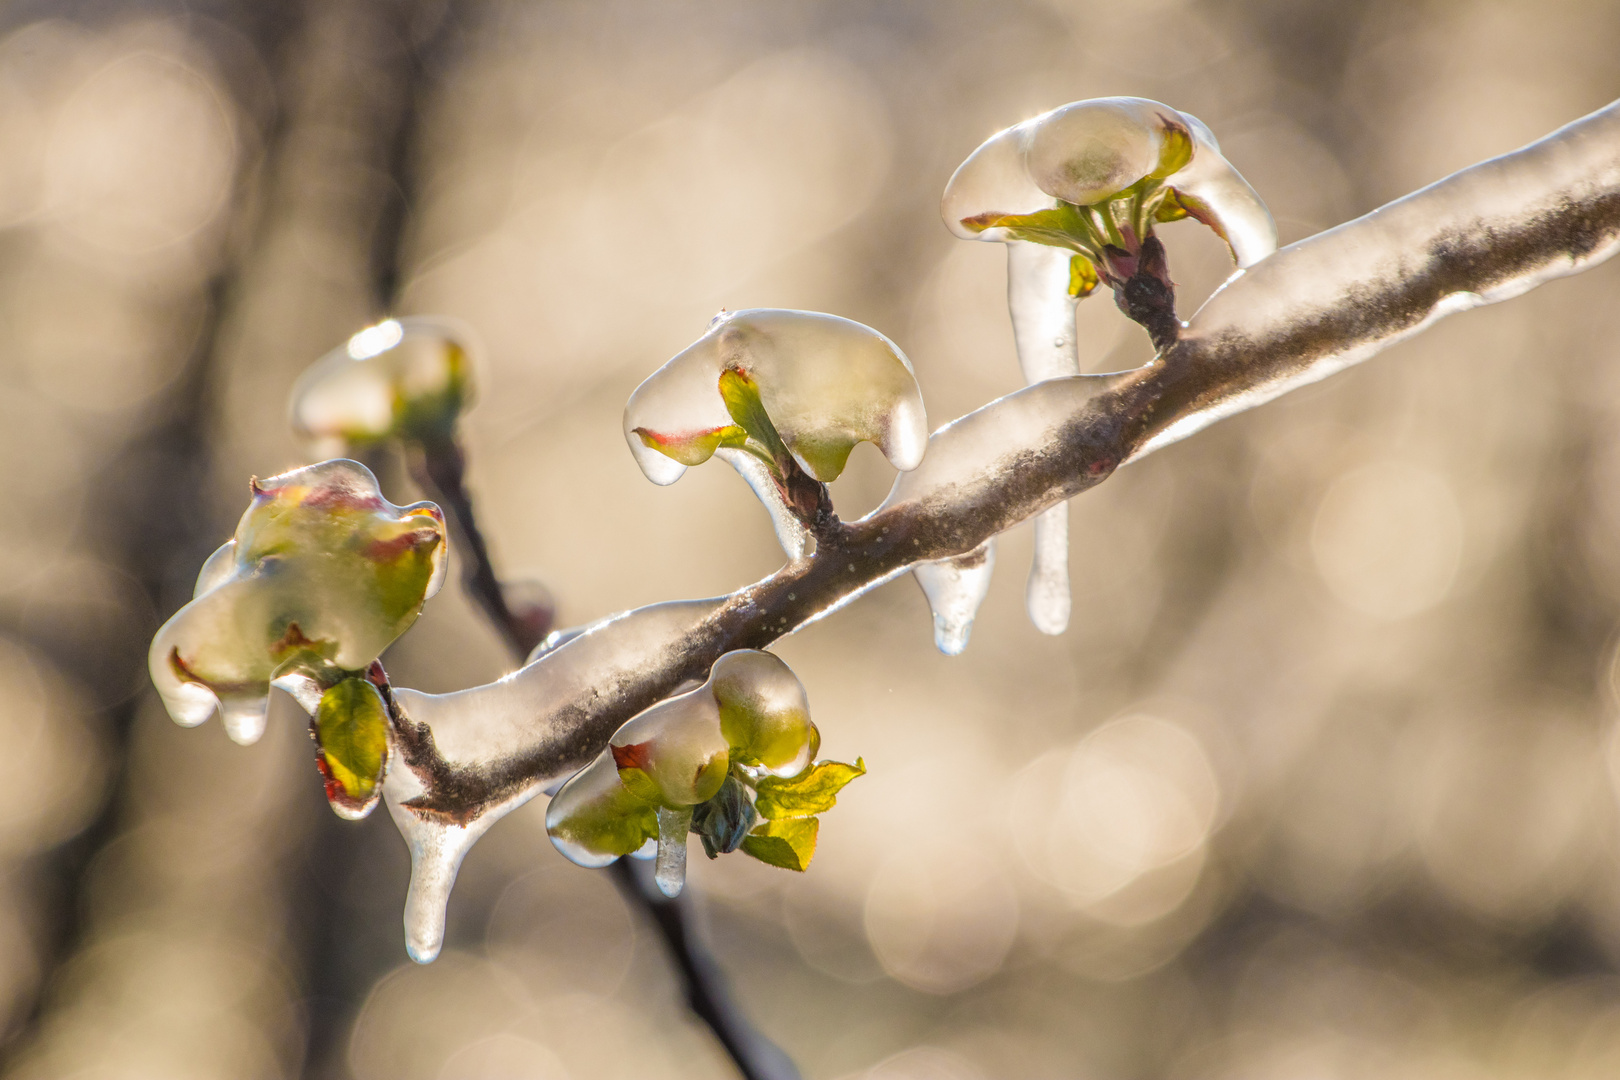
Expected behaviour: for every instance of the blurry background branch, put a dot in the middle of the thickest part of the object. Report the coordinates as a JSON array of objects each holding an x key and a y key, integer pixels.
[{"x": 1339, "y": 666}]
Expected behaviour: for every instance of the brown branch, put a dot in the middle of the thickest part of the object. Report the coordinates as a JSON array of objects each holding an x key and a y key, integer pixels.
[{"x": 1485, "y": 234}]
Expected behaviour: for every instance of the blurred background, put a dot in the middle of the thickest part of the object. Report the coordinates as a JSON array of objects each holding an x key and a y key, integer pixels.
[{"x": 1320, "y": 783}]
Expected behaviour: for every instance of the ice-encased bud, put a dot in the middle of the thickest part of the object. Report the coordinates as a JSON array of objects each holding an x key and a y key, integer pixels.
[
  {"x": 764, "y": 712},
  {"x": 678, "y": 755},
  {"x": 826, "y": 383},
  {"x": 410, "y": 378},
  {"x": 674, "y": 753},
  {"x": 350, "y": 726},
  {"x": 1090, "y": 153},
  {"x": 322, "y": 575},
  {"x": 594, "y": 818}
]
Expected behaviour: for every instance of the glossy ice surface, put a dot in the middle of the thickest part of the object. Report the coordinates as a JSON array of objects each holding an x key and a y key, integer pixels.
[
  {"x": 1090, "y": 152},
  {"x": 322, "y": 575},
  {"x": 752, "y": 713},
  {"x": 826, "y": 383},
  {"x": 409, "y": 377}
]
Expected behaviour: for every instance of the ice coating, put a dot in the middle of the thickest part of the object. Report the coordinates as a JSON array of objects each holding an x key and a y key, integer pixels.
[
  {"x": 955, "y": 588},
  {"x": 751, "y": 714},
  {"x": 473, "y": 728},
  {"x": 322, "y": 575},
  {"x": 1105, "y": 152},
  {"x": 410, "y": 377},
  {"x": 994, "y": 180},
  {"x": 1042, "y": 310},
  {"x": 1046, "y": 595},
  {"x": 826, "y": 383},
  {"x": 437, "y": 849},
  {"x": 1088, "y": 151},
  {"x": 1213, "y": 192},
  {"x": 790, "y": 531},
  {"x": 670, "y": 869}
]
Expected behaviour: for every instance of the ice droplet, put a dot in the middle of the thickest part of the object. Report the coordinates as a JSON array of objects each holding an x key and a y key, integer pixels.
[
  {"x": 1043, "y": 329},
  {"x": 244, "y": 717},
  {"x": 955, "y": 588},
  {"x": 670, "y": 869},
  {"x": 1047, "y": 595}
]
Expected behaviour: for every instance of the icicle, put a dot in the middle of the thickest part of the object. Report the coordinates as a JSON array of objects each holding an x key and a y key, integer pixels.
[
  {"x": 1046, "y": 597},
  {"x": 1042, "y": 310},
  {"x": 670, "y": 869},
  {"x": 955, "y": 588},
  {"x": 437, "y": 848}
]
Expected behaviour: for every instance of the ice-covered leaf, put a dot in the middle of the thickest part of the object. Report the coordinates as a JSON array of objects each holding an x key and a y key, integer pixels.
[
  {"x": 594, "y": 818},
  {"x": 322, "y": 575},
  {"x": 1211, "y": 191},
  {"x": 402, "y": 378},
  {"x": 789, "y": 843},
  {"x": 351, "y": 730},
  {"x": 825, "y": 383},
  {"x": 812, "y": 792}
]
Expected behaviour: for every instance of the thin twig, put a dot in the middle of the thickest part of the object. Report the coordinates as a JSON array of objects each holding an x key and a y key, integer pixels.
[{"x": 440, "y": 469}]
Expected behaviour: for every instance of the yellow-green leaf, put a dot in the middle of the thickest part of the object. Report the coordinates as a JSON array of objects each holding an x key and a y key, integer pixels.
[
  {"x": 351, "y": 728},
  {"x": 813, "y": 791},
  {"x": 741, "y": 395},
  {"x": 790, "y": 844}
]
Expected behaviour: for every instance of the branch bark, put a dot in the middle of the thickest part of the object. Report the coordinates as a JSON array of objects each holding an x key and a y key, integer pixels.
[{"x": 1483, "y": 235}]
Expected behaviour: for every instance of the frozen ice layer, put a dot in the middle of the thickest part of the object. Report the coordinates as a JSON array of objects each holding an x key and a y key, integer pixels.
[
  {"x": 1100, "y": 173},
  {"x": 748, "y": 722},
  {"x": 322, "y": 575},
  {"x": 767, "y": 383},
  {"x": 402, "y": 378},
  {"x": 1074, "y": 193}
]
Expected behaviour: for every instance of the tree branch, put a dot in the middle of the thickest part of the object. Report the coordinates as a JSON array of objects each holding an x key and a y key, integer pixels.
[{"x": 1485, "y": 234}]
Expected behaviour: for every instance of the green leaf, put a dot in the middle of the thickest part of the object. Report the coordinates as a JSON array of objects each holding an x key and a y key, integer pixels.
[
  {"x": 741, "y": 395},
  {"x": 813, "y": 791},
  {"x": 351, "y": 728},
  {"x": 789, "y": 844}
]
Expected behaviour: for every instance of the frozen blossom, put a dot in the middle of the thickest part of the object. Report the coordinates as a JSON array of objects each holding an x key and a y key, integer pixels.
[
  {"x": 402, "y": 378},
  {"x": 1075, "y": 193},
  {"x": 322, "y": 575},
  {"x": 713, "y": 761},
  {"x": 781, "y": 396}
]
